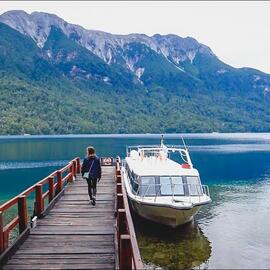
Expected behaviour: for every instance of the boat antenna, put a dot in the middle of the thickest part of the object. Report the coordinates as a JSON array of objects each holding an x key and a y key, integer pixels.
[
  {"x": 127, "y": 150},
  {"x": 162, "y": 139},
  {"x": 184, "y": 143}
]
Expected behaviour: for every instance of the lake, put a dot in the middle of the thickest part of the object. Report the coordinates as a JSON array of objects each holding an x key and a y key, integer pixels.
[{"x": 232, "y": 232}]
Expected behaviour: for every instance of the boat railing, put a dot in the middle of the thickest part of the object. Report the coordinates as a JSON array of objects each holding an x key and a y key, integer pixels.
[
  {"x": 206, "y": 190},
  {"x": 200, "y": 191}
]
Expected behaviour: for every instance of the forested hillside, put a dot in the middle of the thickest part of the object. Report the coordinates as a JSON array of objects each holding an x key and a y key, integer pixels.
[{"x": 64, "y": 79}]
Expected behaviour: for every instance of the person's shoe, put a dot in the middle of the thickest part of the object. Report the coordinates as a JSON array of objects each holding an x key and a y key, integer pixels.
[
  {"x": 94, "y": 201},
  {"x": 90, "y": 200}
]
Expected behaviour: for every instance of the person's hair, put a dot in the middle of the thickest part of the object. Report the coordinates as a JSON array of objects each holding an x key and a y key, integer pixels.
[{"x": 90, "y": 150}]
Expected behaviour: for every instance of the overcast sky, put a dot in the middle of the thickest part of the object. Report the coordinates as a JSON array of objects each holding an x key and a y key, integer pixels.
[{"x": 237, "y": 32}]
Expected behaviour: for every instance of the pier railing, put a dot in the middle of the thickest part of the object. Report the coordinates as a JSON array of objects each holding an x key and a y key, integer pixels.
[
  {"x": 53, "y": 183},
  {"x": 45, "y": 193},
  {"x": 128, "y": 251}
]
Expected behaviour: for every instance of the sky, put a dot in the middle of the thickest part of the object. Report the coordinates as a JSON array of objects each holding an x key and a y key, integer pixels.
[{"x": 238, "y": 32}]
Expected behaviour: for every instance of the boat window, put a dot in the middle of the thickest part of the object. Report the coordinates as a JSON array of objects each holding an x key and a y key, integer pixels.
[
  {"x": 148, "y": 186},
  {"x": 129, "y": 173},
  {"x": 170, "y": 185},
  {"x": 194, "y": 185},
  {"x": 165, "y": 186},
  {"x": 177, "y": 185}
]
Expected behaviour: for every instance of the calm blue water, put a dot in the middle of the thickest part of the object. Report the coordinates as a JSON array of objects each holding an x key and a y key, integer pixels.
[{"x": 232, "y": 232}]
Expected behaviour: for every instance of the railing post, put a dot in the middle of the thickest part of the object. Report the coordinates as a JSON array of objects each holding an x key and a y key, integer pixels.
[
  {"x": 119, "y": 188},
  {"x": 1, "y": 232},
  {"x": 78, "y": 165},
  {"x": 5, "y": 239},
  {"x": 118, "y": 172},
  {"x": 22, "y": 213},
  {"x": 74, "y": 168},
  {"x": 118, "y": 179},
  {"x": 71, "y": 171},
  {"x": 120, "y": 201},
  {"x": 59, "y": 181},
  {"x": 121, "y": 224},
  {"x": 39, "y": 200},
  {"x": 125, "y": 252},
  {"x": 117, "y": 169},
  {"x": 51, "y": 188}
]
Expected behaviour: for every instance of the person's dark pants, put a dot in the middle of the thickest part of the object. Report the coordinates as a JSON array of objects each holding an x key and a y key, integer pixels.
[{"x": 92, "y": 185}]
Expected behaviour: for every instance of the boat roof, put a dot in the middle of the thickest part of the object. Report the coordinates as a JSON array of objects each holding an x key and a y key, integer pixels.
[{"x": 154, "y": 166}]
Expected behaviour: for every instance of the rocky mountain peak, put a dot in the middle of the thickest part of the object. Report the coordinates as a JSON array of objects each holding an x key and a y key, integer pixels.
[{"x": 37, "y": 25}]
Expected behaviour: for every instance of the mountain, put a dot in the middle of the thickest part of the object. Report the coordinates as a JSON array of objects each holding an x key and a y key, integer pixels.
[{"x": 162, "y": 83}]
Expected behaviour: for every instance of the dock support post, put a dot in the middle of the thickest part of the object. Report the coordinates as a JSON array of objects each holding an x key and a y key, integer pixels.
[
  {"x": 39, "y": 200},
  {"x": 22, "y": 213},
  {"x": 51, "y": 188},
  {"x": 125, "y": 252},
  {"x": 59, "y": 181},
  {"x": 1, "y": 232}
]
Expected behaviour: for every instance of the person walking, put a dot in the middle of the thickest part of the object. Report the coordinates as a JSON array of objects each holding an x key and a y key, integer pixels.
[{"x": 91, "y": 171}]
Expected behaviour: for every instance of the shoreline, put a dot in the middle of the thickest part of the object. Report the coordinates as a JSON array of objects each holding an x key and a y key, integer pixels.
[{"x": 234, "y": 135}]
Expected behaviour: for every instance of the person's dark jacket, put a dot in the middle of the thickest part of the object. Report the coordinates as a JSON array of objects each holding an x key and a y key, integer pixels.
[{"x": 96, "y": 167}]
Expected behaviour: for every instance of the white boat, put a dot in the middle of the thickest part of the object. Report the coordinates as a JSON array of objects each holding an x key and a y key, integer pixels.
[{"x": 161, "y": 189}]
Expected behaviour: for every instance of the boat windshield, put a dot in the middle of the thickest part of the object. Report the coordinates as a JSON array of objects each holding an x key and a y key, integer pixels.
[
  {"x": 169, "y": 185},
  {"x": 148, "y": 185}
]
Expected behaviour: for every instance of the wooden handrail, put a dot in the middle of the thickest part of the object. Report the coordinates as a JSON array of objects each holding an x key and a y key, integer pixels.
[
  {"x": 134, "y": 245},
  {"x": 128, "y": 250},
  {"x": 21, "y": 219},
  {"x": 9, "y": 204},
  {"x": 12, "y": 224}
]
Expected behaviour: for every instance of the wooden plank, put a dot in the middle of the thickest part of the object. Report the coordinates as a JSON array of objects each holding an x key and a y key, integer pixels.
[
  {"x": 71, "y": 250},
  {"x": 60, "y": 266},
  {"x": 83, "y": 204},
  {"x": 97, "y": 257},
  {"x": 85, "y": 200},
  {"x": 92, "y": 232},
  {"x": 91, "y": 210},
  {"x": 84, "y": 196},
  {"x": 73, "y": 222},
  {"x": 65, "y": 228},
  {"x": 79, "y": 215},
  {"x": 57, "y": 261}
]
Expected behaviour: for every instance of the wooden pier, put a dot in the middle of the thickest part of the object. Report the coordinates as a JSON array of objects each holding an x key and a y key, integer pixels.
[{"x": 71, "y": 233}]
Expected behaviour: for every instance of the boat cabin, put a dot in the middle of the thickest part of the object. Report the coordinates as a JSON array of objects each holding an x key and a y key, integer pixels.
[{"x": 152, "y": 173}]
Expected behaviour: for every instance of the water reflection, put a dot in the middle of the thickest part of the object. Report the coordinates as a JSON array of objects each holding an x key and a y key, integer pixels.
[
  {"x": 237, "y": 224},
  {"x": 162, "y": 247}
]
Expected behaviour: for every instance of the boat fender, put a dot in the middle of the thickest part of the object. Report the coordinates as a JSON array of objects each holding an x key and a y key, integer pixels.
[{"x": 185, "y": 166}]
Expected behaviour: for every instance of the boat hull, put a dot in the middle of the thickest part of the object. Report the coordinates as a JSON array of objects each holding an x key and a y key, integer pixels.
[{"x": 166, "y": 215}]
